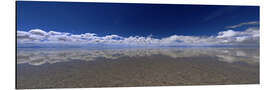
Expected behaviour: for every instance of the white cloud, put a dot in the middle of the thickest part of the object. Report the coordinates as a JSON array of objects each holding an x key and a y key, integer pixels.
[
  {"x": 242, "y": 24},
  {"x": 23, "y": 35},
  {"x": 54, "y": 33},
  {"x": 224, "y": 34},
  {"x": 229, "y": 37},
  {"x": 38, "y": 32},
  {"x": 247, "y": 37}
]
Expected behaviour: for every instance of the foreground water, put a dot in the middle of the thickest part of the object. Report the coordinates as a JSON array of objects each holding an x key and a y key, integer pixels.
[{"x": 75, "y": 68}]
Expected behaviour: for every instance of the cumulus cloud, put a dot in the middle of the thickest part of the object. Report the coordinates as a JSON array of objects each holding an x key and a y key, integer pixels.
[
  {"x": 245, "y": 23},
  {"x": 224, "y": 34},
  {"x": 54, "y": 33},
  {"x": 249, "y": 36},
  {"x": 23, "y": 35},
  {"x": 38, "y": 32}
]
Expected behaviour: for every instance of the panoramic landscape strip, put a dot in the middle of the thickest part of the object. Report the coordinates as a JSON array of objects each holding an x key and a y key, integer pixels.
[{"x": 87, "y": 44}]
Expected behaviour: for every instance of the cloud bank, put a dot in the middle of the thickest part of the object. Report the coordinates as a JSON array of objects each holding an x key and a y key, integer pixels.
[{"x": 248, "y": 37}]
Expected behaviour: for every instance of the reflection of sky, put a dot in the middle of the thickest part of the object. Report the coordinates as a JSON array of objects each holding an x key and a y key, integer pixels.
[{"x": 42, "y": 56}]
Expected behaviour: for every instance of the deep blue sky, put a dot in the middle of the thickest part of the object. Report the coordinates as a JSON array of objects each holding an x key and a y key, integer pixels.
[{"x": 132, "y": 19}]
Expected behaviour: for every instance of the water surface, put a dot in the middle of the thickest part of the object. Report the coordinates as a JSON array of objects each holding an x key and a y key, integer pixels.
[{"x": 75, "y": 68}]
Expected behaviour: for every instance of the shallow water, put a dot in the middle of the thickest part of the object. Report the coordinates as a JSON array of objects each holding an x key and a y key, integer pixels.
[{"x": 75, "y": 68}]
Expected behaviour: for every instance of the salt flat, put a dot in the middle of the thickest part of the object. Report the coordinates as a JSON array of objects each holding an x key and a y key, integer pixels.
[{"x": 75, "y": 68}]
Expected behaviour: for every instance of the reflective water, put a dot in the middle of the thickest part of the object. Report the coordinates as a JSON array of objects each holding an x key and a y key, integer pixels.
[{"x": 63, "y": 68}]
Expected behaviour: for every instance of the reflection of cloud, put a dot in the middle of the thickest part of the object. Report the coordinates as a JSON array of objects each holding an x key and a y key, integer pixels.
[
  {"x": 230, "y": 37},
  {"x": 42, "y": 56}
]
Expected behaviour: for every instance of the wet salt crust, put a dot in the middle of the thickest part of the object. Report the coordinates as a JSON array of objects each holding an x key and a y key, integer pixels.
[{"x": 75, "y": 68}]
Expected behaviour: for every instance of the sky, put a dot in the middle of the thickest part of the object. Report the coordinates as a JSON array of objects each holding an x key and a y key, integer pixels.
[{"x": 136, "y": 24}]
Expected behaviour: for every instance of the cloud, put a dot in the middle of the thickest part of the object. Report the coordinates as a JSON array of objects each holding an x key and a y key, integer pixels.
[
  {"x": 243, "y": 24},
  {"x": 224, "y": 34},
  {"x": 54, "y": 33},
  {"x": 38, "y": 32},
  {"x": 249, "y": 36},
  {"x": 23, "y": 35}
]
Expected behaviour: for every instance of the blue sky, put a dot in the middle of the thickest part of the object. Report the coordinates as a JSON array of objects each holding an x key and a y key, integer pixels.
[{"x": 125, "y": 20}]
